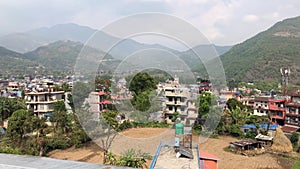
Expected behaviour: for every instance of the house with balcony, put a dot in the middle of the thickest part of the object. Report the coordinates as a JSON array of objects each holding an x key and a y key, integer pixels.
[
  {"x": 277, "y": 110},
  {"x": 292, "y": 116},
  {"x": 248, "y": 102},
  {"x": 40, "y": 99},
  {"x": 261, "y": 106},
  {"x": 176, "y": 100},
  {"x": 98, "y": 101}
]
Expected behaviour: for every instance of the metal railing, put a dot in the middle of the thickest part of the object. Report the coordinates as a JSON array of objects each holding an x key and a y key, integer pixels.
[{"x": 155, "y": 156}]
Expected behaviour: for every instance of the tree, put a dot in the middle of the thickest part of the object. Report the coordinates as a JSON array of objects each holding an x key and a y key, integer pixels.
[
  {"x": 39, "y": 126},
  {"x": 233, "y": 104},
  {"x": 294, "y": 140},
  {"x": 142, "y": 85},
  {"x": 19, "y": 124},
  {"x": 238, "y": 116},
  {"x": 60, "y": 116},
  {"x": 110, "y": 117},
  {"x": 8, "y": 106},
  {"x": 141, "y": 82},
  {"x": 110, "y": 127},
  {"x": 103, "y": 83},
  {"x": 205, "y": 102},
  {"x": 65, "y": 87}
]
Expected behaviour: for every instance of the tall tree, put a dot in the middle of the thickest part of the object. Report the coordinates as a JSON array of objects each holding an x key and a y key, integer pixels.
[
  {"x": 142, "y": 82},
  {"x": 60, "y": 116},
  {"x": 142, "y": 85},
  {"x": 238, "y": 116},
  {"x": 110, "y": 127},
  {"x": 19, "y": 124},
  {"x": 10, "y": 105},
  {"x": 205, "y": 102},
  {"x": 233, "y": 104}
]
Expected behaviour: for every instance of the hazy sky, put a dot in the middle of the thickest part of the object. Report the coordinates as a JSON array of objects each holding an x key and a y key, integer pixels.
[{"x": 224, "y": 22}]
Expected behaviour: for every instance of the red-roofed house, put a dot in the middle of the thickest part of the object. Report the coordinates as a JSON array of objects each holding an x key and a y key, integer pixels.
[
  {"x": 277, "y": 110},
  {"x": 98, "y": 101},
  {"x": 208, "y": 160}
]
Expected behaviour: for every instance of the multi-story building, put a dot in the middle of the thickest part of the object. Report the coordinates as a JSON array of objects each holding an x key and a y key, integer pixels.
[
  {"x": 292, "y": 110},
  {"x": 176, "y": 100},
  {"x": 248, "y": 102},
  {"x": 41, "y": 99},
  {"x": 277, "y": 110},
  {"x": 261, "y": 106},
  {"x": 98, "y": 101},
  {"x": 12, "y": 86},
  {"x": 204, "y": 85}
]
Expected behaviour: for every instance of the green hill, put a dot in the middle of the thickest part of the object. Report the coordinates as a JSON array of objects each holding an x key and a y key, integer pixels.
[
  {"x": 13, "y": 63},
  {"x": 262, "y": 56},
  {"x": 61, "y": 56}
]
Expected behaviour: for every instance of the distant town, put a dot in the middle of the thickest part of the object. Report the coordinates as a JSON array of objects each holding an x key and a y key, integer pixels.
[{"x": 254, "y": 116}]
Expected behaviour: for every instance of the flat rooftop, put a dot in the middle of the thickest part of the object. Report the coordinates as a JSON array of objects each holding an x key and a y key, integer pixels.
[
  {"x": 167, "y": 159},
  {"x": 9, "y": 161}
]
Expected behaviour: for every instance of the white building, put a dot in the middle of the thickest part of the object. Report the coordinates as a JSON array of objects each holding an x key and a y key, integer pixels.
[
  {"x": 41, "y": 99},
  {"x": 260, "y": 106},
  {"x": 176, "y": 100}
]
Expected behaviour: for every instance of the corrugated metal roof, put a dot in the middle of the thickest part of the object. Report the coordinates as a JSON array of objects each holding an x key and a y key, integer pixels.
[{"x": 9, "y": 161}]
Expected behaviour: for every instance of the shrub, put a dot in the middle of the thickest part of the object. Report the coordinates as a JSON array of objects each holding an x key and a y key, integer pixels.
[
  {"x": 294, "y": 140},
  {"x": 125, "y": 125},
  {"x": 234, "y": 130},
  {"x": 9, "y": 150},
  {"x": 58, "y": 143},
  {"x": 250, "y": 134}
]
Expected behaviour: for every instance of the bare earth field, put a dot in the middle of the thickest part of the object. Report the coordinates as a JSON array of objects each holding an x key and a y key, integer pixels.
[
  {"x": 230, "y": 160},
  {"x": 147, "y": 140}
]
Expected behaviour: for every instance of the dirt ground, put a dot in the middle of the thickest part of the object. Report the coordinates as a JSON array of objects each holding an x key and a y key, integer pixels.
[
  {"x": 91, "y": 152},
  {"x": 147, "y": 140},
  {"x": 228, "y": 160}
]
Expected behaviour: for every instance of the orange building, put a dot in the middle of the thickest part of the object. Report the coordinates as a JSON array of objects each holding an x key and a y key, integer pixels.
[{"x": 208, "y": 160}]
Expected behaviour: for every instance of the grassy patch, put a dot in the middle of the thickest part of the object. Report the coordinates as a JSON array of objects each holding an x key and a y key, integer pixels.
[{"x": 296, "y": 164}]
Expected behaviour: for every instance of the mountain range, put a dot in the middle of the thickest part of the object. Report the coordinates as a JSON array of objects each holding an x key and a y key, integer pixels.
[{"x": 57, "y": 47}]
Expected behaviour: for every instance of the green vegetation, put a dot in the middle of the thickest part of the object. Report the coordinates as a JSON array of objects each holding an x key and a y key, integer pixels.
[
  {"x": 208, "y": 111},
  {"x": 294, "y": 140},
  {"x": 262, "y": 56},
  {"x": 142, "y": 85},
  {"x": 265, "y": 54},
  {"x": 13, "y": 63},
  {"x": 131, "y": 158},
  {"x": 296, "y": 164},
  {"x": 205, "y": 103},
  {"x": 233, "y": 104},
  {"x": 29, "y": 134},
  {"x": 8, "y": 106}
]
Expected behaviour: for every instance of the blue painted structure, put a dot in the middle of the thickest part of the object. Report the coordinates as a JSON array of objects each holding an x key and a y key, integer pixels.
[
  {"x": 264, "y": 126},
  {"x": 155, "y": 156}
]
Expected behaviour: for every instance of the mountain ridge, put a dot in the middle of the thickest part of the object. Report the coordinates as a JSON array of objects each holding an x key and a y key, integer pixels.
[{"x": 262, "y": 56}]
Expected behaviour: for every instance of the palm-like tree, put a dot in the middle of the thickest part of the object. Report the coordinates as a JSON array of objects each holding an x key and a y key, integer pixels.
[{"x": 238, "y": 116}]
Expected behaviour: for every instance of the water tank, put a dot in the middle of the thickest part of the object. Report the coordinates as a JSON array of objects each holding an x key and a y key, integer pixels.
[{"x": 179, "y": 128}]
